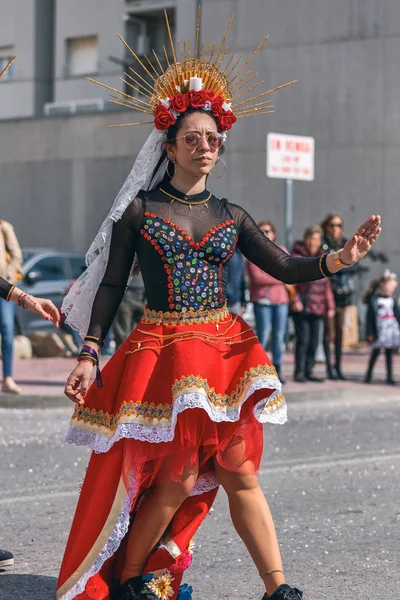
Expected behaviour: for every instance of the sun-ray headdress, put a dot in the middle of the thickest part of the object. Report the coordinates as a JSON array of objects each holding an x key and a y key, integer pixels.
[
  {"x": 208, "y": 79},
  {"x": 203, "y": 77},
  {"x": 7, "y": 66}
]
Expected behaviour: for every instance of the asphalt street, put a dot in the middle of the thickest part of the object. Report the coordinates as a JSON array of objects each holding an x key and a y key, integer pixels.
[{"x": 331, "y": 476}]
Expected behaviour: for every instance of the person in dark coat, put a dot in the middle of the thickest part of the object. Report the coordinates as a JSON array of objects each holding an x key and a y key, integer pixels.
[
  {"x": 343, "y": 291},
  {"x": 313, "y": 302}
]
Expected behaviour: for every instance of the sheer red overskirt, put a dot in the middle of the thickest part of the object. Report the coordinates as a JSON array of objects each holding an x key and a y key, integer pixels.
[{"x": 145, "y": 372}]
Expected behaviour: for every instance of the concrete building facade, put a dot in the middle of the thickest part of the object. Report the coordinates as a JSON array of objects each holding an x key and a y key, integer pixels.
[{"x": 59, "y": 174}]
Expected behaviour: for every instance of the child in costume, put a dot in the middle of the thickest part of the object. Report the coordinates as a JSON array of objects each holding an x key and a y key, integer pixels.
[
  {"x": 383, "y": 323},
  {"x": 178, "y": 410}
]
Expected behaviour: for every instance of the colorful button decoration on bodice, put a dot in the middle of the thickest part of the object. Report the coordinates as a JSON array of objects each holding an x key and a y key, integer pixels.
[{"x": 194, "y": 270}]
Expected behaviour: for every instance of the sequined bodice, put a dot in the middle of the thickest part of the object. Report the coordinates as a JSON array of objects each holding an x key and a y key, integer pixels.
[
  {"x": 194, "y": 270},
  {"x": 184, "y": 253}
]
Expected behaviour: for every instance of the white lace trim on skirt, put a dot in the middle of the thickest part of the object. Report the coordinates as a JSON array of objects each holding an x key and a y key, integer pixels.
[{"x": 265, "y": 411}]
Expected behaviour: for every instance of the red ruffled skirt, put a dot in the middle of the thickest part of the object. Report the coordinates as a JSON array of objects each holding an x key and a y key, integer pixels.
[{"x": 184, "y": 391}]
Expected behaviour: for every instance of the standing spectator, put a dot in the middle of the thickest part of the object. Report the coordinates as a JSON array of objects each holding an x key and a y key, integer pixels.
[
  {"x": 236, "y": 287},
  {"x": 383, "y": 320},
  {"x": 130, "y": 311},
  {"x": 270, "y": 298},
  {"x": 343, "y": 290},
  {"x": 313, "y": 302},
  {"x": 10, "y": 269}
]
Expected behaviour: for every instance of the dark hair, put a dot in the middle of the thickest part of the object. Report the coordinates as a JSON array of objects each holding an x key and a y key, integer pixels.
[
  {"x": 172, "y": 134},
  {"x": 309, "y": 231},
  {"x": 327, "y": 220},
  {"x": 173, "y": 130}
]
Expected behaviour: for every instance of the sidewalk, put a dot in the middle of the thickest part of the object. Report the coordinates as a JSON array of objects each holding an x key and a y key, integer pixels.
[{"x": 43, "y": 379}]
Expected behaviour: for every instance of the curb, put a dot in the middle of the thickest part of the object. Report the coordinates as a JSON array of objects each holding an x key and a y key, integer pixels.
[
  {"x": 60, "y": 401},
  {"x": 32, "y": 401}
]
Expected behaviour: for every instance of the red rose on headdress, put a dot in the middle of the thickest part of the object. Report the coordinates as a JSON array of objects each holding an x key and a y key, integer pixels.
[
  {"x": 197, "y": 99},
  {"x": 163, "y": 118},
  {"x": 210, "y": 95},
  {"x": 216, "y": 106},
  {"x": 226, "y": 120},
  {"x": 179, "y": 103}
]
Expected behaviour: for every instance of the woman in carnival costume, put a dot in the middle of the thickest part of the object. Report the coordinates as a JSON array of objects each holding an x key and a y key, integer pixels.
[{"x": 179, "y": 408}]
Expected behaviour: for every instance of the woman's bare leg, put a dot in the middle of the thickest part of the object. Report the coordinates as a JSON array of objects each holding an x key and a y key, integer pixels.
[
  {"x": 252, "y": 520},
  {"x": 153, "y": 518}
]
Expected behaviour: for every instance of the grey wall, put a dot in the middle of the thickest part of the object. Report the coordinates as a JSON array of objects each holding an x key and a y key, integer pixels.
[
  {"x": 17, "y": 21},
  {"x": 76, "y": 18},
  {"x": 59, "y": 177}
]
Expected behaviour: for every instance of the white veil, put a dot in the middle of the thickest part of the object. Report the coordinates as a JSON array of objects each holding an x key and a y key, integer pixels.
[{"x": 77, "y": 304}]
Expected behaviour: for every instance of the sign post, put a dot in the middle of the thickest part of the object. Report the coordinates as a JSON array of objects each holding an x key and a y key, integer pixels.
[{"x": 290, "y": 157}]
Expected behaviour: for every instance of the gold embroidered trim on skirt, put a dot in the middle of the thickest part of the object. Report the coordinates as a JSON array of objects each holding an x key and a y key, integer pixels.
[
  {"x": 160, "y": 415},
  {"x": 192, "y": 317}
]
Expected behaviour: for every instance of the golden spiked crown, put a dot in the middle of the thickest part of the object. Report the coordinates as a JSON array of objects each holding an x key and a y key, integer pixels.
[
  {"x": 200, "y": 78},
  {"x": 7, "y": 67}
]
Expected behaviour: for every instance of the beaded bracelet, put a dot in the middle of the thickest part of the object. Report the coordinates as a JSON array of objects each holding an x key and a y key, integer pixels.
[
  {"x": 23, "y": 299},
  {"x": 88, "y": 352}
]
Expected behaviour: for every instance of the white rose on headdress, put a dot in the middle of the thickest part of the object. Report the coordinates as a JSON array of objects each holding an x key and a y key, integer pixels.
[
  {"x": 226, "y": 106},
  {"x": 166, "y": 103}
]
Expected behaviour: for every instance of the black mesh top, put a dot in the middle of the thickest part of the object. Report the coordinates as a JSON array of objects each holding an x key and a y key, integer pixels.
[
  {"x": 183, "y": 253},
  {"x": 5, "y": 287}
]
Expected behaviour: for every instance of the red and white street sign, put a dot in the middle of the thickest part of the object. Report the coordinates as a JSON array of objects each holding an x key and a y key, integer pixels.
[{"x": 290, "y": 156}]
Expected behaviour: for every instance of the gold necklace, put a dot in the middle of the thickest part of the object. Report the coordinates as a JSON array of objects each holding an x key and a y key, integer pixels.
[{"x": 188, "y": 202}]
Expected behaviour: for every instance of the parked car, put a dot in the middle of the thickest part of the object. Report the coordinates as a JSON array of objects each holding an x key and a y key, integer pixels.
[{"x": 47, "y": 274}]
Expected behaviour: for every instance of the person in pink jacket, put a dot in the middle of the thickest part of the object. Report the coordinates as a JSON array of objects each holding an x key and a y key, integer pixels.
[
  {"x": 313, "y": 302},
  {"x": 270, "y": 299}
]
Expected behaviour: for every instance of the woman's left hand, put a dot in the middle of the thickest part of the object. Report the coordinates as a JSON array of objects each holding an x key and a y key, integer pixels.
[
  {"x": 358, "y": 246},
  {"x": 44, "y": 308}
]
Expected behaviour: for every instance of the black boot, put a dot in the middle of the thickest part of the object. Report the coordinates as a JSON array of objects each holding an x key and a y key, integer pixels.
[
  {"x": 300, "y": 377},
  {"x": 389, "y": 366},
  {"x": 135, "y": 589},
  {"x": 372, "y": 361},
  {"x": 330, "y": 373},
  {"x": 285, "y": 592},
  {"x": 338, "y": 356}
]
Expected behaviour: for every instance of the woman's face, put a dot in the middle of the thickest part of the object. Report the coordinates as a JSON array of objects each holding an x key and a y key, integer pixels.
[
  {"x": 268, "y": 232},
  {"x": 335, "y": 227},
  {"x": 313, "y": 243},
  {"x": 196, "y": 160}
]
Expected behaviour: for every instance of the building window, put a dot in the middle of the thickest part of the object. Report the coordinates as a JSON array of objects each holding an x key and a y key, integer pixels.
[
  {"x": 82, "y": 55},
  {"x": 145, "y": 31},
  {"x": 6, "y": 54}
]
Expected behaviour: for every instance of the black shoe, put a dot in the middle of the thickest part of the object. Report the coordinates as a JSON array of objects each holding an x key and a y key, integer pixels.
[
  {"x": 315, "y": 378},
  {"x": 390, "y": 381},
  {"x": 368, "y": 378},
  {"x": 285, "y": 592},
  {"x": 330, "y": 373},
  {"x": 135, "y": 589},
  {"x": 340, "y": 374},
  {"x": 300, "y": 378},
  {"x": 6, "y": 558}
]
